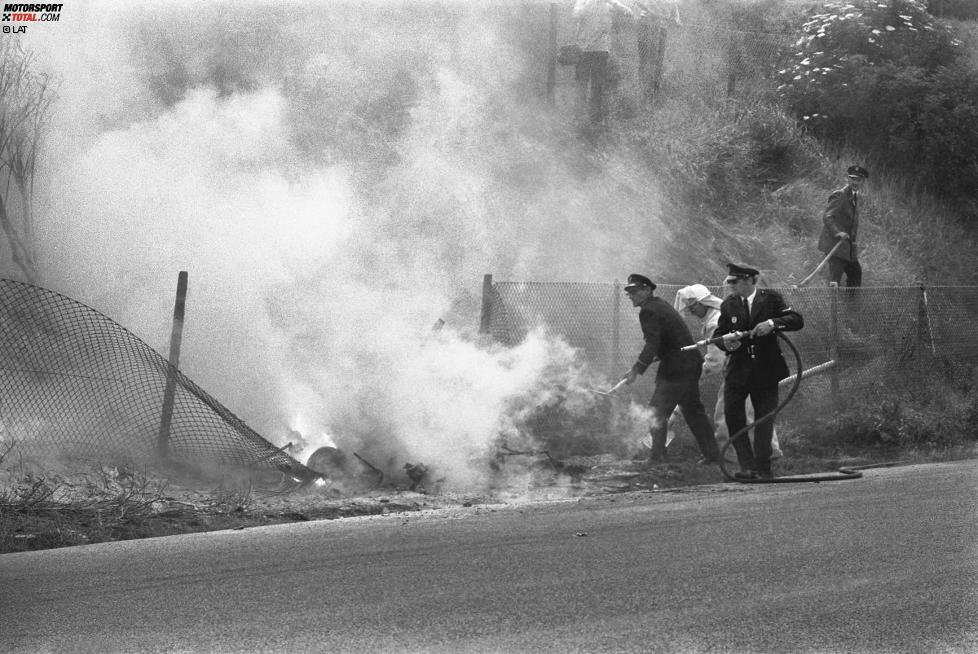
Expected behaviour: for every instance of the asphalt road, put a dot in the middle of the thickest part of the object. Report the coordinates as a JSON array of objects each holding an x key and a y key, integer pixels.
[{"x": 887, "y": 563}]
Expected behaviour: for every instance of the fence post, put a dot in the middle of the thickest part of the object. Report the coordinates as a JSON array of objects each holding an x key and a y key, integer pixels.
[
  {"x": 923, "y": 320},
  {"x": 552, "y": 55},
  {"x": 834, "y": 334},
  {"x": 176, "y": 336},
  {"x": 485, "y": 325},
  {"x": 615, "y": 327}
]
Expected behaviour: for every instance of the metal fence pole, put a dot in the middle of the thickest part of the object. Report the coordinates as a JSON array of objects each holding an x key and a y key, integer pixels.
[
  {"x": 615, "y": 326},
  {"x": 485, "y": 325},
  {"x": 176, "y": 336},
  {"x": 923, "y": 320},
  {"x": 834, "y": 335}
]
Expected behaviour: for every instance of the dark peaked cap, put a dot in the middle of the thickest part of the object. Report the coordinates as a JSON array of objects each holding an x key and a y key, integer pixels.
[
  {"x": 637, "y": 281},
  {"x": 857, "y": 171},
  {"x": 741, "y": 272}
]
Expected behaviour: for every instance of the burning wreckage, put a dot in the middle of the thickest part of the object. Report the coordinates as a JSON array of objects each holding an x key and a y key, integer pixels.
[{"x": 557, "y": 439}]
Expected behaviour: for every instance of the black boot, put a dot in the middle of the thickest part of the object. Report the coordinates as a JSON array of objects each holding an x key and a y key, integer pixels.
[
  {"x": 658, "y": 453},
  {"x": 764, "y": 469}
]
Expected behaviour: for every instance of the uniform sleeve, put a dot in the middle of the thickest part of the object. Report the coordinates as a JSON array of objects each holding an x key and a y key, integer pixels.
[
  {"x": 785, "y": 318},
  {"x": 652, "y": 332},
  {"x": 833, "y": 211}
]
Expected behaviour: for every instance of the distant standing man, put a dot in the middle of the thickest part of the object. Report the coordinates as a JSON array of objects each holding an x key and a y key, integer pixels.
[
  {"x": 755, "y": 364},
  {"x": 840, "y": 224},
  {"x": 595, "y": 23},
  {"x": 654, "y": 16},
  {"x": 677, "y": 381},
  {"x": 699, "y": 301}
]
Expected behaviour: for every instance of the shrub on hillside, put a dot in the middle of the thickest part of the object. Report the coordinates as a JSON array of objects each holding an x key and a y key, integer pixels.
[
  {"x": 932, "y": 121},
  {"x": 887, "y": 78},
  {"x": 935, "y": 412},
  {"x": 761, "y": 148},
  {"x": 961, "y": 9}
]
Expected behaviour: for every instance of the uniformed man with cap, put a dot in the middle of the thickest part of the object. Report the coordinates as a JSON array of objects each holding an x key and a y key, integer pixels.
[
  {"x": 699, "y": 301},
  {"x": 749, "y": 318},
  {"x": 678, "y": 375},
  {"x": 840, "y": 225}
]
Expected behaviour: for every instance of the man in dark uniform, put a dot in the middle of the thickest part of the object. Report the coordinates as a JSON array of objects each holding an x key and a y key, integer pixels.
[
  {"x": 754, "y": 365},
  {"x": 840, "y": 223},
  {"x": 677, "y": 381}
]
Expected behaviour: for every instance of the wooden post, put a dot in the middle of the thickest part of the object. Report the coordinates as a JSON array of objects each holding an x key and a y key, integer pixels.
[
  {"x": 834, "y": 334},
  {"x": 552, "y": 55},
  {"x": 485, "y": 325},
  {"x": 176, "y": 335},
  {"x": 923, "y": 320},
  {"x": 615, "y": 327}
]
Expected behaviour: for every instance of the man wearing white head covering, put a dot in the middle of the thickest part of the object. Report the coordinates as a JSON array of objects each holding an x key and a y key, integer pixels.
[{"x": 698, "y": 300}]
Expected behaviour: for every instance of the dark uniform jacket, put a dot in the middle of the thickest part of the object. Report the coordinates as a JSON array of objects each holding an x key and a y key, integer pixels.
[
  {"x": 767, "y": 365},
  {"x": 665, "y": 332},
  {"x": 841, "y": 215}
]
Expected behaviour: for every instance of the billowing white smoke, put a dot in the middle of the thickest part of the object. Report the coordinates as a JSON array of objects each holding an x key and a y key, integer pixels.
[{"x": 312, "y": 293}]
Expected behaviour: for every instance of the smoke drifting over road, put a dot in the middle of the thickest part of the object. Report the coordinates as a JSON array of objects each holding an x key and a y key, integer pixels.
[{"x": 333, "y": 181}]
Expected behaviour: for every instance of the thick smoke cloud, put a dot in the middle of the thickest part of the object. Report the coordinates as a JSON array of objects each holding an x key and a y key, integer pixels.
[{"x": 334, "y": 182}]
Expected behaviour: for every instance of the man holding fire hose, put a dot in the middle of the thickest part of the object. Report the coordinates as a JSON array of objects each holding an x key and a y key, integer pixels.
[
  {"x": 699, "y": 301},
  {"x": 678, "y": 376},
  {"x": 749, "y": 318}
]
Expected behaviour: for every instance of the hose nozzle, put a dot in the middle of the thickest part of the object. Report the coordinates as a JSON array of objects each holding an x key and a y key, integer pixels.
[{"x": 732, "y": 336}]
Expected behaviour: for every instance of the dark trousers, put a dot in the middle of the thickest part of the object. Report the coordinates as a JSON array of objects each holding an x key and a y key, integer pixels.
[
  {"x": 591, "y": 74},
  {"x": 683, "y": 391},
  {"x": 851, "y": 269},
  {"x": 764, "y": 401}
]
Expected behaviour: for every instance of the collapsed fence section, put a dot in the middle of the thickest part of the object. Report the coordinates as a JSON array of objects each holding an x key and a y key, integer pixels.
[
  {"x": 74, "y": 382},
  {"x": 878, "y": 342}
]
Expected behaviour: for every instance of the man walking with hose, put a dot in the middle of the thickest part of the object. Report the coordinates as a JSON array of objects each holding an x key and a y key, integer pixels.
[
  {"x": 749, "y": 318},
  {"x": 840, "y": 225},
  {"x": 677, "y": 380}
]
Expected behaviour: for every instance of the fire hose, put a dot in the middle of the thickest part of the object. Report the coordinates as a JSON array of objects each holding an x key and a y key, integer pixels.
[
  {"x": 849, "y": 472},
  {"x": 821, "y": 264}
]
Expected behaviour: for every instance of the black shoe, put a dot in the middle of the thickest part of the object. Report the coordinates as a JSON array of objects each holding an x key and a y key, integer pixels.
[
  {"x": 746, "y": 474},
  {"x": 655, "y": 458},
  {"x": 765, "y": 475},
  {"x": 707, "y": 461}
]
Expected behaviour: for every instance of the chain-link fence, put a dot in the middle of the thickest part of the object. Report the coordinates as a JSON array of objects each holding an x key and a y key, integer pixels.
[
  {"x": 74, "y": 382},
  {"x": 883, "y": 342}
]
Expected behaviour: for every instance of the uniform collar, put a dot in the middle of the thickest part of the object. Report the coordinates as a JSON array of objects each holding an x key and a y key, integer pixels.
[{"x": 750, "y": 299}]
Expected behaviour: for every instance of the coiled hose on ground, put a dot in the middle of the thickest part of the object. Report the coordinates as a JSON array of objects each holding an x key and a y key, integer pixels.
[{"x": 850, "y": 472}]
